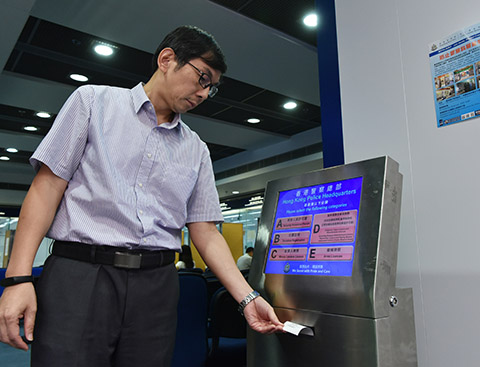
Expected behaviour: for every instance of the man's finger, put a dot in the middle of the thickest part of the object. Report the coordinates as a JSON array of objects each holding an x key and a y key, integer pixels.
[
  {"x": 29, "y": 324},
  {"x": 13, "y": 335}
]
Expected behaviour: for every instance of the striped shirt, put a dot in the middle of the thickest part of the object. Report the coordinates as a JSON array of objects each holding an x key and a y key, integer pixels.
[{"x": 132, "y": 183}]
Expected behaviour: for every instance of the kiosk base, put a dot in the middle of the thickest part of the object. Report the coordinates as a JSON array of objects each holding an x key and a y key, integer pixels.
[
  {"x": 326, "y": 258},
  {"x": 339, "y": 340}
]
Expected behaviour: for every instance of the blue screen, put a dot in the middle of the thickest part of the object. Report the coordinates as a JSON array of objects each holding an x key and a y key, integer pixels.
[{"x": 315, "y": 229}]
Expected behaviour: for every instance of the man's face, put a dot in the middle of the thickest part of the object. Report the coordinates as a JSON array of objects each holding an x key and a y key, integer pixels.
[{"x": 184, "y": 91}]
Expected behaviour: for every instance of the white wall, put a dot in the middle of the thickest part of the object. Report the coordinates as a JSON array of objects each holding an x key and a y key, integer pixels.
[{"x": 388, "y": 109}]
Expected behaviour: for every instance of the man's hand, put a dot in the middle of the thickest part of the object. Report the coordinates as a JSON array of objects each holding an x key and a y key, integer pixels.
[
  {"x": 214, "y": 250},
  {"x": 17, "y": 302},
  {"x": 261, "y": 317}
]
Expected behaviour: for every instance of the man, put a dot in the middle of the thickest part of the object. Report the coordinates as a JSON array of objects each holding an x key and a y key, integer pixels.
[
  {"x": 245, "y": 261},
  {"x": 119, "y": 175}
]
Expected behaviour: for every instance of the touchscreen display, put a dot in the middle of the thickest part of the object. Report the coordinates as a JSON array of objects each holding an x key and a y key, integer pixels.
[{"x": 315, "y": 230}]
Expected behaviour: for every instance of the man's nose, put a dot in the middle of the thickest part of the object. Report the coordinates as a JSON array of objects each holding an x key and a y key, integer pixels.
[{"x": 203, "y": 92}]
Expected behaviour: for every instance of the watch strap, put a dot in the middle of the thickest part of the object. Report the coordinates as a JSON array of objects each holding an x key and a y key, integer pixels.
[
  {"x": 248, "y": 298},
  {"x": 7, "y": 282}
]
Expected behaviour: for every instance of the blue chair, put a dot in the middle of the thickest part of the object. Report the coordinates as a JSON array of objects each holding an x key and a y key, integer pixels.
[
  {"x": 191, "y": 340},
  {"x": 191, "y": 270},
  {"x": 36, "y": 271},
  {"x": 228, "y": 329},
  {"x": 2, "y": 276}
]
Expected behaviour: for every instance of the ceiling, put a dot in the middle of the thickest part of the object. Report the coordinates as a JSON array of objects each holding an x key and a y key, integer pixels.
[{"x": 271, "y": 59}]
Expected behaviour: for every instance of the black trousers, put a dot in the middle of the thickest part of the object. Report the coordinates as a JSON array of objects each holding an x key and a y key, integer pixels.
[{"x": 92, "y": 315}]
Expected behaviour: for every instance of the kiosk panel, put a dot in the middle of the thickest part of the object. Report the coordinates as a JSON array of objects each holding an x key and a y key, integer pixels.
[{"x": 315, "y": 229}]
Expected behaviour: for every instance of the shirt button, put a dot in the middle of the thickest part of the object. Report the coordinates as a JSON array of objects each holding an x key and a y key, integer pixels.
[
  {"x": 140, "y": 184},
  {"x": 149, "y": 155},
  {"x": 144, "y": 240},
  {"x": 141, "y": 211}
]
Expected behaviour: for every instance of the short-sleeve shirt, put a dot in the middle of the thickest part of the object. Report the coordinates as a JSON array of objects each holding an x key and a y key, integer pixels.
[
  {"x": 131, "y": 182},
  {"x": 244, "y": 262}
]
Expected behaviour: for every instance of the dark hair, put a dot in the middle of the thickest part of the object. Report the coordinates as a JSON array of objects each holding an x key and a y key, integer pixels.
[
  {"x": 249, "y": 249},
  {"x": 186, "y": 256},
  {"x": 190, "y": 42}
]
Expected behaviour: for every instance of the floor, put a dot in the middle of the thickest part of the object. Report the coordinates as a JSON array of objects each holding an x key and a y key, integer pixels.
[{"x": 10, "y": 357}]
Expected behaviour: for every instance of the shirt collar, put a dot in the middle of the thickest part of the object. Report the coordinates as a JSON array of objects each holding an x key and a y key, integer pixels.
[
  {"x": 175, "y": 122},
  {"x": 140, "y": 98}
]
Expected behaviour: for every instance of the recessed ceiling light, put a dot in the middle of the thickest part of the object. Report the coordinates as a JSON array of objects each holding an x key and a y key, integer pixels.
[
  {"x": 12, "y": 150},
  {"x": 2, "y": 213},
  {"x": 235, "y": 192},
  {"x": 290, "y": 105},
  {"x": 4, "y": 158},
  {"x": 43, "y": 115},
  {"x": 103, "y": 50},
  {"x": 30, "y": 128},
  {"x": 253, "y": 120},
  {"x": 78, "y": 77},
  {"x": 310, "y": 20}
]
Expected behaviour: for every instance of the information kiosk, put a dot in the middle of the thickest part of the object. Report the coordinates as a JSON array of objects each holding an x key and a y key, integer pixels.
[{"x": 326, "y": 258}]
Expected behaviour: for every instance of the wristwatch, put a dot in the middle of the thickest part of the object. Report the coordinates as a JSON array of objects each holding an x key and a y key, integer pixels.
[
  {"x": 7, "y": 282},
  {"x": 248, "y": 298}
]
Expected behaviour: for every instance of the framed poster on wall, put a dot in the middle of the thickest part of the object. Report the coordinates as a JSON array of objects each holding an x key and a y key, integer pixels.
[{"x": 455, "y": 69}]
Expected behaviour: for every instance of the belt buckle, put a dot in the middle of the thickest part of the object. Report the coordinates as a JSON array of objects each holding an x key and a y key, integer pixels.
[{"x": 126, "y": 260}]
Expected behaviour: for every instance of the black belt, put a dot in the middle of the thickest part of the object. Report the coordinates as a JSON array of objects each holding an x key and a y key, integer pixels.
[{"x": 115, "y": 256}]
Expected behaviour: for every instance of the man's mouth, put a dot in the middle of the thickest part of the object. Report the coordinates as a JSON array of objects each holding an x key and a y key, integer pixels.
[{"x": 192, "y": 105}]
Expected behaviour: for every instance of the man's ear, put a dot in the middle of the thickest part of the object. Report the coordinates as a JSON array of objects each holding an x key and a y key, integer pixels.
[{"x": 166, "y": 58}]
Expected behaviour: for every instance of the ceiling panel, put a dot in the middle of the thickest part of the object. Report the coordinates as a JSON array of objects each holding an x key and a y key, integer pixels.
[
  {"x": 267, "y": 123},
  {"x": 218, "y": 151},
  {"x": 283, "y": 15},
  {"x": 55, "y": 70},
  {"x": 16, "y": 118},
  {"x": 52, "y": 52},
  {"x": 236, "y": 90},
  {"x": 19, "y": 157},
  {"x": 46, "y": 36}
]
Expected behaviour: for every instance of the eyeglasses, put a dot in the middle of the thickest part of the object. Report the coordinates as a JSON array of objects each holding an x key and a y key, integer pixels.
[{"x": 205, "y": 82}]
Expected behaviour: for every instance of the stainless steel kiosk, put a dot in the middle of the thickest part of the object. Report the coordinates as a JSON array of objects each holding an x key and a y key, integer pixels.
[{"x": 326, "y": 257}]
